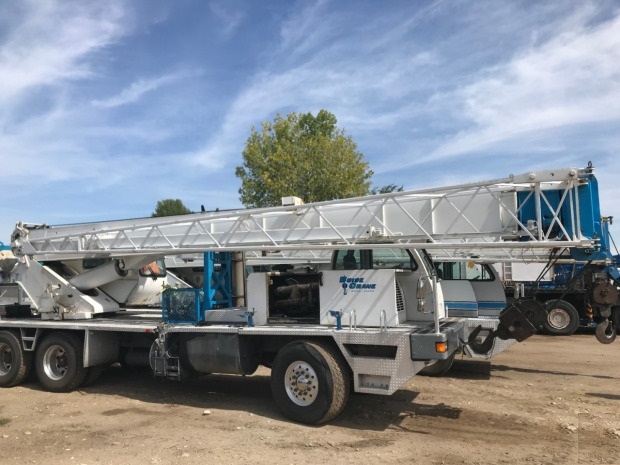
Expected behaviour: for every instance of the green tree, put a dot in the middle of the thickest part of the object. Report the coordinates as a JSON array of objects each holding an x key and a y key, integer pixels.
[
  {"x": 301, "y": 155},
  {"x": 170, "y": 207},
  {"x": 386, "y": 189}
]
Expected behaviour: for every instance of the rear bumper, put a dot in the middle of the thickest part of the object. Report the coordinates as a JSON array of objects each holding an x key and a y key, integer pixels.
[{"x": 424, "y": 341}]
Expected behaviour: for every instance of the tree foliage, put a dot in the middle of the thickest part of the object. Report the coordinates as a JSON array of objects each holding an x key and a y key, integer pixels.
[
  {"x": 386, "y": 189},
  {"x": 304, "y": 156},
  {"x": 170, "y": 207}
]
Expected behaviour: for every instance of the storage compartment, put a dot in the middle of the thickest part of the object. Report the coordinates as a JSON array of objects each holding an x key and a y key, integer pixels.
[{"x": 294, "y": 297}]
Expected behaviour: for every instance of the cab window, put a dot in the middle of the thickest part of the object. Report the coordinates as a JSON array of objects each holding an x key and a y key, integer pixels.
[
  {"x": 467, "y": 271},
  {"x": 156, "y": 269}
]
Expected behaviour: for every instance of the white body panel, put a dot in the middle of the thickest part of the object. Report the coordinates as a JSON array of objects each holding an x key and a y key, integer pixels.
[
  {"x": 54, "y": 297},
  {"x": 490, "y": 296},
  {"x": 460, "y": 298},
  {"x": 519, "y": 272},
  {"x": 257, "y": 286},
  {"x": 366, "y": 297}
]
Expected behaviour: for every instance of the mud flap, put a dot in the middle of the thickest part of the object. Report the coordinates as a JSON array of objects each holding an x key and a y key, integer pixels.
[{"x": 518, "y": 321}]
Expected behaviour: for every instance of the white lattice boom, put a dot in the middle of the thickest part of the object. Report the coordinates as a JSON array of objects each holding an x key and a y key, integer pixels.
[{"x": 460, "y": 220}]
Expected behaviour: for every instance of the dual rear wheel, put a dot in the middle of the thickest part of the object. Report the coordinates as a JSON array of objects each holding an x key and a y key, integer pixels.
[
  {"x": 58, "y": 362},
  {"x": 15, "y": 363}
]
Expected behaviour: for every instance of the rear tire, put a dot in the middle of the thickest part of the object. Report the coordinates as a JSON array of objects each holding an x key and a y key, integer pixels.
[
  {"x": 310, "y": 382},
  {"x": 15, "y": 363},
  {"x": 59, "y": 362},
  {"x": 562, "y": 318}
]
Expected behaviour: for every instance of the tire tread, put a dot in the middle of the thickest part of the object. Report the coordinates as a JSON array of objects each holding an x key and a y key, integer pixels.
[
  {"x": 570, "y": 309},
  {"x": 340, "y": 379},
  {"x": 334, "y": 387},
  {"x": 21, "y": 357},
  {"x": 78, "y": 378}
]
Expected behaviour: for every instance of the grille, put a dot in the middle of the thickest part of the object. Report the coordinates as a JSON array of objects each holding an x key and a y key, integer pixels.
[{"x": 400, "y": 300}]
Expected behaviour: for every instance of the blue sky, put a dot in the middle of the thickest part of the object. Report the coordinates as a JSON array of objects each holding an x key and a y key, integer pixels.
[{"x": 108, "y": 107}]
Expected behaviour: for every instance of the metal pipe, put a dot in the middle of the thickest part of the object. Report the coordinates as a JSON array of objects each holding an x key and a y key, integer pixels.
[{"x": 109, "y": 272}]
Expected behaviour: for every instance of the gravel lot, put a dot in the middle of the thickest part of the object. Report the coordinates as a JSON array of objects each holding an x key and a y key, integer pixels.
[{"x": 547, "y": 400}]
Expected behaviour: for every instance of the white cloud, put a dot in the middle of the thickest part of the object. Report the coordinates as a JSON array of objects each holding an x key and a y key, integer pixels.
[
  {"x": 572, "y": 79},
  {"x": 52, "y": 42},
  {"x": 452, "y": 80},
  {"x": 306, "y": 27},
  {"x": 51, "y": 46},
  {"x": 136, "y": 90},
  {"x": 315, "y": 67},
  {"x": 230, "y": 19}
]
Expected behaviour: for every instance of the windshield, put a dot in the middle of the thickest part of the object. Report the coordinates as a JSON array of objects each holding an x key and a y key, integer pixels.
[{"x": 465, "y": 271}]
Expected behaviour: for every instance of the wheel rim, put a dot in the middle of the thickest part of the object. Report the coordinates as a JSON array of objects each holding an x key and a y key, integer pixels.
[
  {"x": 558, "y": 318},
  {"x": 6, "y": 359},
  {"x": 55, "y": 362},
  {"x": 301, "y": 383}
]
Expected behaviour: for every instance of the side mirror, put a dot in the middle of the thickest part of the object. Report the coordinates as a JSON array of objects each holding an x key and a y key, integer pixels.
[
  {"x": 421, "y": 291},
  {"x": 421, "y": 294}
]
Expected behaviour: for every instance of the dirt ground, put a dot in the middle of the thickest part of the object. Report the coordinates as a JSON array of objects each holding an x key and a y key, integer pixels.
[{"x": 547, "y": 400}]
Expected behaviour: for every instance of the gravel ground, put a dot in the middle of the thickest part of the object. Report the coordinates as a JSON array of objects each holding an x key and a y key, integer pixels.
[{"x": 549, "y": 400}]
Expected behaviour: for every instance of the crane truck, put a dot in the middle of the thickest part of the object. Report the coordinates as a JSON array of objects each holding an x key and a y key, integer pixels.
[
  {"x": 576, "y": 288},
  {"x": 566, "y": 287},
  {"x": 368, "y": 324}
]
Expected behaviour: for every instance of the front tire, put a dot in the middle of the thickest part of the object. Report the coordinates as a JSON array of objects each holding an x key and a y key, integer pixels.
[
  {"x": 562, "y": 318},
  {"x": 59, "y": 362},
  {"x": 439, "y": 368},
  {"x": 15, "y": 363},
  {"x": 310, "y": 382}
]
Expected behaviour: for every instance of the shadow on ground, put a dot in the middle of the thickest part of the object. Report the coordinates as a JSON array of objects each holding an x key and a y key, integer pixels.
[{"x": 252, "y": 394}]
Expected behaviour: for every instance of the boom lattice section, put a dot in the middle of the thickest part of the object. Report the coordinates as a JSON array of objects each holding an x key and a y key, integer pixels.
[{"x": 513, "y": 218}]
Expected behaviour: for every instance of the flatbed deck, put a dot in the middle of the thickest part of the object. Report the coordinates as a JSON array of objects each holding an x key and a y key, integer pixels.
[{"x": 141, "y": 320}]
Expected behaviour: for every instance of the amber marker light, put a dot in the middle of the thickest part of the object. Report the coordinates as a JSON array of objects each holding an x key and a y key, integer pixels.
[{"x": 441, "y": 347}]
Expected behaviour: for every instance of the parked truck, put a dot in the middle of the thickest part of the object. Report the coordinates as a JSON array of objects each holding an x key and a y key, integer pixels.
[
  {"x": 478, "y": 289},
  {"x": 564, "y": 289},
  {"x": 577, "y": 287},
  {"x": 367, "y": 324}
]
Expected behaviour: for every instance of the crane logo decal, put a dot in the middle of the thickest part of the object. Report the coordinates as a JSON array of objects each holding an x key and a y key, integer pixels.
[{"x": 355, "y": 284}]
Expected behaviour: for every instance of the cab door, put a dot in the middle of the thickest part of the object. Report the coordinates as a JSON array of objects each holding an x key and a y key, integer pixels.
[
  {"x": 471, "y": 289},
  {"x": 488, "y": 288},
  {"x": 458, "y": 293}
]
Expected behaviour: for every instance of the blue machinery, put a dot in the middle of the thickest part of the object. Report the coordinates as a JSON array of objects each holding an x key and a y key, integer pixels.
[{"x": 190, "y": 305}]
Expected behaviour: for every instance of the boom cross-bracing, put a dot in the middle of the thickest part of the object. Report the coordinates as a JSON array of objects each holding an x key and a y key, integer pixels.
[{"x": 511, "y": 218}]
